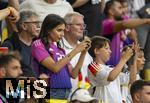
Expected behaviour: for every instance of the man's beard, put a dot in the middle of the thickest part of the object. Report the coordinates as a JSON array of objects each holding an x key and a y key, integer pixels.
[{"x": 118, "y": 18}]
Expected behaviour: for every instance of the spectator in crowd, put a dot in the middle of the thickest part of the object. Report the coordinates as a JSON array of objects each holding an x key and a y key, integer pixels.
[
  {"x": 93, "y": 14},
  {"x": 45, "y": 7},
  {"x": 47, "y": 52},
  {"x": 105, "y": 78},
  {"x": 73, "y": 33},
  {"x": 114, "y": 27},
  {"x": 130, "y": 34},
  {"x": 10, "y": 67},
  {"x": 140, "y": 91},
  {"x": 131, "y": 72},
  {"x": 81, "y": 96},
  {"x": 29, "y": 28}
]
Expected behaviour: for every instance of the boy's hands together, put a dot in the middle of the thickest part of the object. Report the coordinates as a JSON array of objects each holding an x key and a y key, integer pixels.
[{"x": 126, "y": 55}]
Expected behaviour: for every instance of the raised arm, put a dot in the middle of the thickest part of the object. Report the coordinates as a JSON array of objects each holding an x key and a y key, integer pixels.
[
  {"x": 14, "y": 3},
  {"x": 56, "y": 66},
  {"x": 133, "y": 66},
  {"x": 128, "y": 24},
  {"x": 4, "y": 13},
  {"x": 125, "y": 57},
  {"x": 75, "y": 71}
]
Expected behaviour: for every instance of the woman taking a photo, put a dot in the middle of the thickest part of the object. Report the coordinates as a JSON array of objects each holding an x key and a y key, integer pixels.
[{"x": 48, "y": 53}]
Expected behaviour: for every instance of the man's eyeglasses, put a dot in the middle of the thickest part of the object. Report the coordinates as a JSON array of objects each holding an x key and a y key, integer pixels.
[
  {"x": 34, "y": 22},
  {"x": 83, "y": 25}
]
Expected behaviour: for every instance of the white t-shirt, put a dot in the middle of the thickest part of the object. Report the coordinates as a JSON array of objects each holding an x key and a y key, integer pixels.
[
  {"x": 88, "y": 59},
  {"x": 42, "y": 8},
  {"x": 124, "y": 79},
  {"x": 106, "y": 91}
]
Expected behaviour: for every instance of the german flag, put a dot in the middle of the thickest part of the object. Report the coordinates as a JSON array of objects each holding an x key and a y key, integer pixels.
[
  {"x": 80, "y": 77},
  {"x": 87, "y": 83},
  {"x": 80, "y": 80}
]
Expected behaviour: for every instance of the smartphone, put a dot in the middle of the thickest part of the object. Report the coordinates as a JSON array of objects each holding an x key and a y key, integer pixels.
[{"x": 85, "y": 33}]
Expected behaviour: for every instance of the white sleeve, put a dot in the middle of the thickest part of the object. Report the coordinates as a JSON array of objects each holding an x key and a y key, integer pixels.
[{"x": 102, "y": 76}]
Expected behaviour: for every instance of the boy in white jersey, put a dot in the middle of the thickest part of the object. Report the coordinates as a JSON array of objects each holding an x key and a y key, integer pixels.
[{"x": 104, "y": 77}]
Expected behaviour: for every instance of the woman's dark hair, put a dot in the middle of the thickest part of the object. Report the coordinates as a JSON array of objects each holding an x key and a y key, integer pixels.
[{"x": 50, "y": 22}]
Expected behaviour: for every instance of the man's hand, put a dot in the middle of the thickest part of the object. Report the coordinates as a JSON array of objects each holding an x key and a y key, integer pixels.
[{"x": 14, "y": 14}]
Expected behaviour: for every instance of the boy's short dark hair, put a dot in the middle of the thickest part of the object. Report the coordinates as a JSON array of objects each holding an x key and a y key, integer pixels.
[
  {"x": 6, "y": 58},
  {"x": 97, "y": 42},
  {"x": 138, "y": 85}
]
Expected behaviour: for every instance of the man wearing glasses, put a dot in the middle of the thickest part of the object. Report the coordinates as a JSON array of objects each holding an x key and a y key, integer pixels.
[
  {"x": 73, "y": 33},
  {"x": 28, "y": 29}
]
